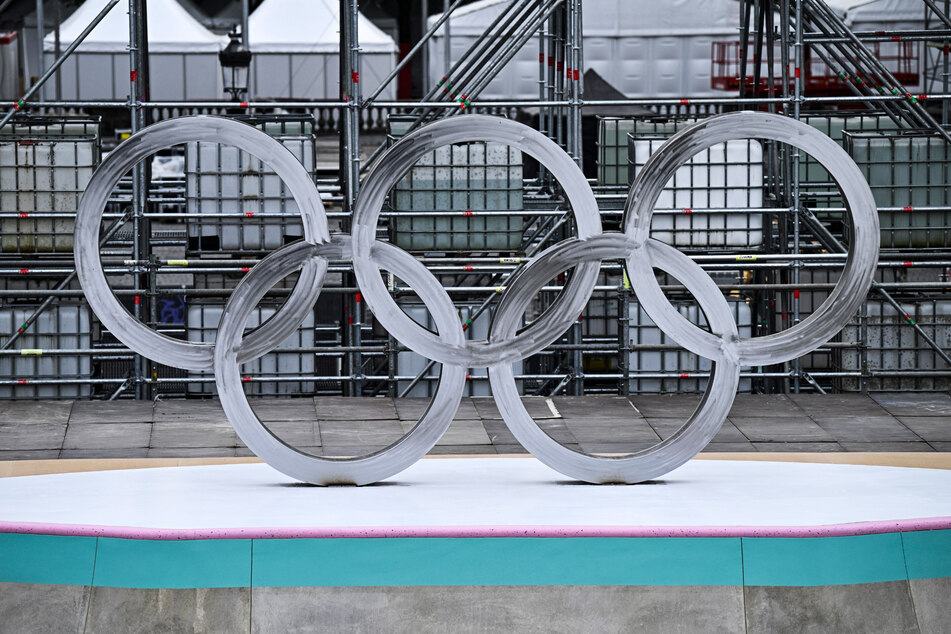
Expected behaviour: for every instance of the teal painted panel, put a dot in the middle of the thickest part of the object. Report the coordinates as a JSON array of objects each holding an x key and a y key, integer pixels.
[
  {"x": 821, "y": 561},
  {"x": 141, "y": 563},
  {"x": 47, "y": 559},
  {"x": 497, "y": 561},
  {"x": 928, "y": 554}
]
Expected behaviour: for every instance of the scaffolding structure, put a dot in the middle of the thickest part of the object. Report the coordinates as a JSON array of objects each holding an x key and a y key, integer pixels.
[{"x": 763, "y": 219}]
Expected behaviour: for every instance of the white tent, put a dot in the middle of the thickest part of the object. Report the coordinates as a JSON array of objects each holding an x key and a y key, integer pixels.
[
  {"x": 183, "y": 55},
  {"x": 295, "y": 46},
  {"x": 645, "y": 48},
  {"x": 885, "y": 14}
]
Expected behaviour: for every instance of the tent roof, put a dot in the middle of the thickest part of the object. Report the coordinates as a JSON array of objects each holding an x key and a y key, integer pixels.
[
  {"x": 308, "y": 26},
  {"x": 619, "y": 17},
  {"x": 171, "y": 29},
  {"x": 879, "y": 10}
]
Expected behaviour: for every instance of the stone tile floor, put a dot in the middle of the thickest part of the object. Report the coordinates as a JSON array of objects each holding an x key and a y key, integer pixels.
[{"x": 344, "y": 426}]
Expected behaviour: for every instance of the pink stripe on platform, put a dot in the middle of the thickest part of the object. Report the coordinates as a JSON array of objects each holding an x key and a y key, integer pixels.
[{"x": 303, "y": 532}]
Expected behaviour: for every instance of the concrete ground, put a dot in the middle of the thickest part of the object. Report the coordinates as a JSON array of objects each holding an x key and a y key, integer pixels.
[{"x": 888, "y": 422}]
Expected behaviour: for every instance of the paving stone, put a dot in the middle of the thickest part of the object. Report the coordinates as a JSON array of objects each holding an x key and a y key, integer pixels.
[
  {"x": 932, "y": 606},
  {"x": 244, "y": 452},
  {"x": 537, "y": 407},
  {"x": 460, "y": 432},
  {"x": 29, "y": 454},
  {"x": 284, "y": 409},
  {"x": 608, "y": 408},
  {"x": 929, "y": 427},
  {"x": 726, "y": 447},
  {"x": 498, "y": 432},
  {"x": 102, "y": 454},
  {"x": 32, "y": 435},
  {"x": 829, "y": 405},
  {"x": 107, "y": 435},
  {"x": 159, "y": 611},
  {"x": 200, "y": 425},
  {"x": 29, "y": 412},
  {"x": 514, "y": 448},
  {"x": 413, "y": 408},
  {"x": 866, "y": 429},
  {"x": 558, "y": 430},
  {"x": 614, "y": 447},
  {"x": 344, "y": 407},
  {"x": 523, "y": 609},
  {"x": 459, "y": 450},
  {"x": 914, "y": 403},
  {"x": 666, "y": 405},
  {"x": 595, "y": 431},
  {"x": 191, "y": 452},
  {"x": 886, "y": 446},
  {"x": 798, "y": 447},
  {"x": 39, "y": 607},
  {"x": 867, "y": 607},
  {"x": 124, "y": 411},
  {"x": 667, "y": 427},
  {"x": 296, "y": 433},
  {"x": 193, "y": 434},
  {"x": 188, "y": 411},
  {"x": 785, "y": 429},
  {"x": 379, "y": 433},
  {"x": 764, "y": 405},
  {"x": 344, "y": 451}
]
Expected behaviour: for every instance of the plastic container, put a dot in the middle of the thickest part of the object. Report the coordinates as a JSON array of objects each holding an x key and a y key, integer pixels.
[
  {"x": 459, "y": 181},
  {"x": 642, "y": 330},
  {"x": 61, "y": 327},
  {"x": 201, "y": 324},
  {"x": 411, "y": 364},
  {"x": 222, "y": 179},
  {"x": 45, "y": 165},
  {"x": 907, "y": 170},
  {"x": 893, "y": 344}
]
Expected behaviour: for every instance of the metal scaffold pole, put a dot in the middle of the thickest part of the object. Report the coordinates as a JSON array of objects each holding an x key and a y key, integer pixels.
[
  {"x": 350, "y": 166},
  {"x": 796, "y": 157},
  {"x": 145, "y": 369}
]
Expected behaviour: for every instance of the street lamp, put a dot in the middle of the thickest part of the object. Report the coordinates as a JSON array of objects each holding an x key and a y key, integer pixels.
[{"x": 235, "y": 61}]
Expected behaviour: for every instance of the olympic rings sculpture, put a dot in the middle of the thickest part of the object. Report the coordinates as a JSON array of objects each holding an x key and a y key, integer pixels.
[{"x": 506, "y": 343}]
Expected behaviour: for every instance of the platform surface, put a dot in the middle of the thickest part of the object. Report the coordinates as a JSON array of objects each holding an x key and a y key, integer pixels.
[
  {"x": 333, "y": 425},
  {"x": 481, "y": 496}
]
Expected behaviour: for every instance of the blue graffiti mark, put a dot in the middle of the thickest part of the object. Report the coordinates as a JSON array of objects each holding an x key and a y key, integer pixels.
[{"x": 172, "y": 309}]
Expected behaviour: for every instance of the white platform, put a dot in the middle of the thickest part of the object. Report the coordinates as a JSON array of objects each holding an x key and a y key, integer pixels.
[{"x": 479, "y": 492}]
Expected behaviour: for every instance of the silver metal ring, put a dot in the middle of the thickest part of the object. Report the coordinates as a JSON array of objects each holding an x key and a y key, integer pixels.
[
  {"x": 666, "y": 455},
  {"x": 286, "y": 459},
  {"x": 113, "y": 315},
  {"x": 849, "y": 291},
  {"x": 394, "y": 165}
]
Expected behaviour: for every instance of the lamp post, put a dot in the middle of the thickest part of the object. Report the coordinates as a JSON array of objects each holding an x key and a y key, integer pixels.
[{"x": 235, "y": 61}]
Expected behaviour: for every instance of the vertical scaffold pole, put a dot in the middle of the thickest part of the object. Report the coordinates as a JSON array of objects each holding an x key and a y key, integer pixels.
[
  {"x": 946, "y": 73},
  {"x": 40, "y": 35},
  {"x": 141, "y": 230},
  {"x": 797, "y": 103},
  {"x": 350, "y": 163}
]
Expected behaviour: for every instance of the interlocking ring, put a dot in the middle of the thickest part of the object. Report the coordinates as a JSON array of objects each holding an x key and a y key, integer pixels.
[
  {"x": 113, "y": 315},
  {"x": 506, "y": 343}
]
